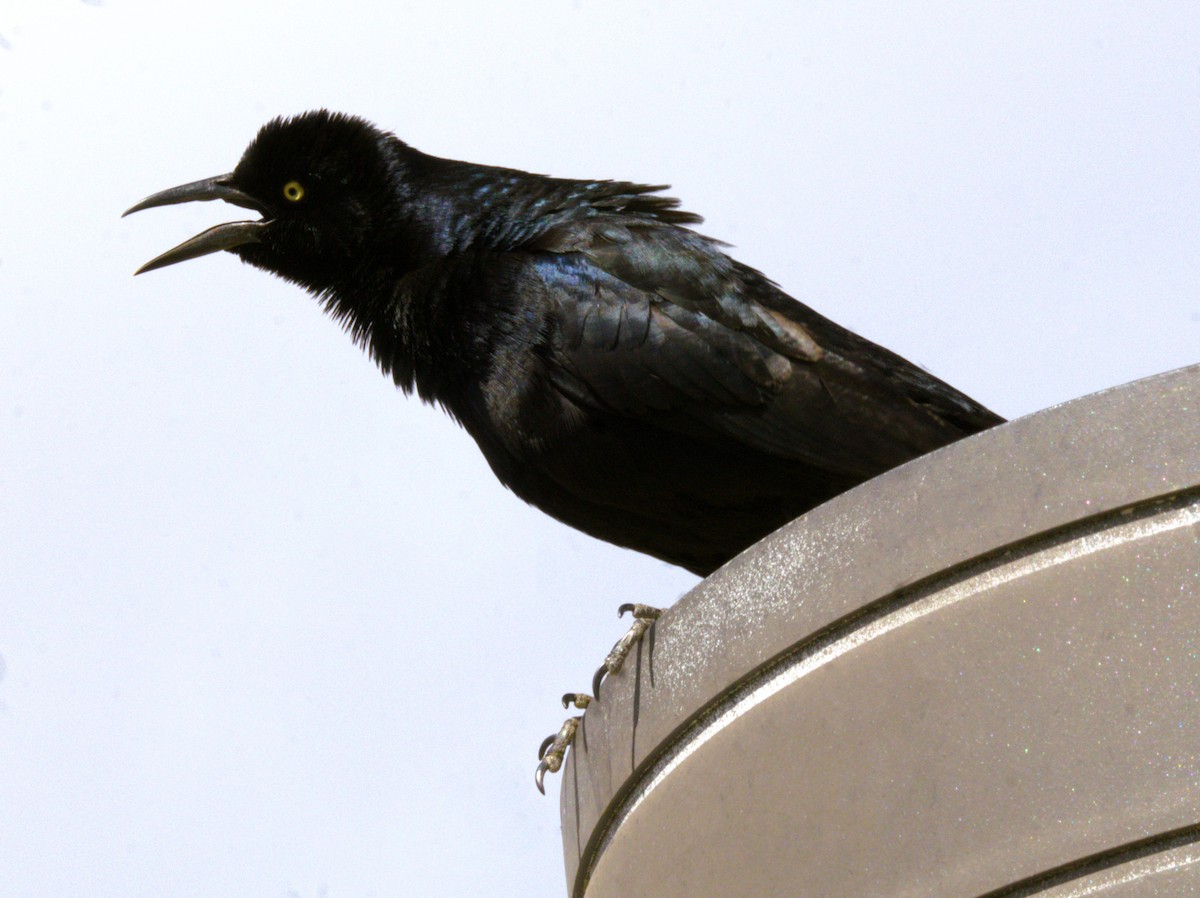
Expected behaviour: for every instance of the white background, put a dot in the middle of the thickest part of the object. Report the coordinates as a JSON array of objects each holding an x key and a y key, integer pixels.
[{"x": 267, "y": 628}]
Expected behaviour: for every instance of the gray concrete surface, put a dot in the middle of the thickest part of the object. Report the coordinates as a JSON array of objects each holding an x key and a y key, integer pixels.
[{"x": 976, "y": 675}]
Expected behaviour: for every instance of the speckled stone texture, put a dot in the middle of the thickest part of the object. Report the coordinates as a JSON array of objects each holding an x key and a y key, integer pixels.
[{"x": 976, "y": 675}]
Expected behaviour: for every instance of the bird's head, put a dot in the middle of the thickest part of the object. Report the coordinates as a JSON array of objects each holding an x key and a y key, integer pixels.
[{"x": 320, "y": 182}]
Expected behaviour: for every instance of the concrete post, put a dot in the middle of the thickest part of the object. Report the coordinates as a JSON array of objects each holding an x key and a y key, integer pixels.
[{"x": 976, "y": 675}]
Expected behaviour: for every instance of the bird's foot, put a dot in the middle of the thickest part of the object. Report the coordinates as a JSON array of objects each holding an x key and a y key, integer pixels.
[
  {"x": 644, "y": 617},
  {"x": 554, "y": 748}
]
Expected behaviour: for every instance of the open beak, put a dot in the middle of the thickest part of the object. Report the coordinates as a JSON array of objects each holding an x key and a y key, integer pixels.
[{"x": 223, "y": 236}]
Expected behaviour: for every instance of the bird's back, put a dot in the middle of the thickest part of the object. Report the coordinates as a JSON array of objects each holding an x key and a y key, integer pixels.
[{"x": 654, "y": 393}]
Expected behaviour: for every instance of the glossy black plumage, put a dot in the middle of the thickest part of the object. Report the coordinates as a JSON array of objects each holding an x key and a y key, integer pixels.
[{"x": 618, "y": 370}]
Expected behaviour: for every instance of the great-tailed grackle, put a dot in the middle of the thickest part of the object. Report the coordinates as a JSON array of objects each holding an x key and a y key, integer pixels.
[{"x": 618, "y": 370}]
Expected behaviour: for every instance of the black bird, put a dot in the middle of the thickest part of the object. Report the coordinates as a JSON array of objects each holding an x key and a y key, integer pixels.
[{"x": 618, "y": 370}]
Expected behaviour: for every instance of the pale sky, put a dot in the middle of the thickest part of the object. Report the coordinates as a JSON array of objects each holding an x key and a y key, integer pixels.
[{"x": 268, "y": 628}]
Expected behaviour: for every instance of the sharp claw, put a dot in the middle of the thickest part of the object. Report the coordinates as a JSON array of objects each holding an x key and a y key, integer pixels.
[
  {"x": 644, "y": 617},
  {"x": 578, "y": 699},
  {"x": 554, "y": 750},
  {"x": 600, "y": 672}
]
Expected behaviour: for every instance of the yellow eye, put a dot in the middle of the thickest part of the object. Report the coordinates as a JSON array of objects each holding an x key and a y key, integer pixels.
[{"x": 293, "y": 191}]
